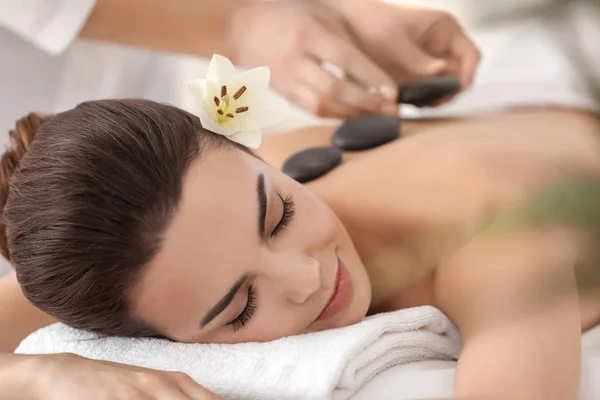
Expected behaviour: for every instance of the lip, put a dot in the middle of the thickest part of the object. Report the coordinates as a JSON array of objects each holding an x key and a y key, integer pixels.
[{"x": 342, "y": 292}]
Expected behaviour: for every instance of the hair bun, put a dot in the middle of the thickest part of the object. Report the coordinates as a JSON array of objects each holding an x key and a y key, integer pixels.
[{"x": 21, "y": 137}]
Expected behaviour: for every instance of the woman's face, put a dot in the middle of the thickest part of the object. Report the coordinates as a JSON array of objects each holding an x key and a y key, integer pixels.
[{"x": 251, "y": 255}]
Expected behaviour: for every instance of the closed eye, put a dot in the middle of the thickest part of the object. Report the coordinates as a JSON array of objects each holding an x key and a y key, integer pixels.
[
  {"x": 240, "y": 321},
  {"x": 289, "y": 210}
]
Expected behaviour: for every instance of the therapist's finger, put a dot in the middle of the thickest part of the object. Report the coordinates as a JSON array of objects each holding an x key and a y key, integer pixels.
[
  {"x": 311, "y": 100},
  {"x": 327, "y": 47},
  {"x": 415, "y": 62},
  {"x": 334, "y": 88},
  {"x": 453, "y": 68},
  {"x": 468, "y": 54}
]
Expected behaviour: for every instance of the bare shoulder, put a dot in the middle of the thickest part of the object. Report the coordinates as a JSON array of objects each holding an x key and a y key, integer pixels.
[
  {"x": 583, "y": 129},
  {"x": 514, "y": 297},
  {"x": 498, "y": 277}
]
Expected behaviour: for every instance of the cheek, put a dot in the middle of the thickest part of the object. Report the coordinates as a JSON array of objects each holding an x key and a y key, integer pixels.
[
  {"x": 315, "y": 222},
  {"x": 274, "y": 319},
  {"x": 279, "y": 320}
]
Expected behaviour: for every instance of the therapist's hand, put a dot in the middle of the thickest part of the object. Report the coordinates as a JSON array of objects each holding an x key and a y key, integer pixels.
[
  {"x": 410, "y": 42},
  {"x": 294, "y": 37},
  {"x": 70, "y": 377}
]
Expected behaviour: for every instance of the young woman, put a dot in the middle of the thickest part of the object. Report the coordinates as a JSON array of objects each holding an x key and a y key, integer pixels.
[{"x": 126, "y": 217}]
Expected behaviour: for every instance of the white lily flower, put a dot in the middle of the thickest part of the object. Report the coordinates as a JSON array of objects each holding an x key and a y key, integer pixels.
[{"x": 237, "y": 105}]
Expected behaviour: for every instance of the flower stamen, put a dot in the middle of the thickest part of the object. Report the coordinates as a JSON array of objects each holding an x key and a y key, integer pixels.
[
  {"x": 223, "y": 104},
  {"x": 239, "y": 93}
]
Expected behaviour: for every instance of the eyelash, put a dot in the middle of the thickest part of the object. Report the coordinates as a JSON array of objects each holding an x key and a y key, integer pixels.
[
  {"x": 288, "y": 213},
  {"x": 247, "y": 313},
  {"x": 289, "y": 210}
]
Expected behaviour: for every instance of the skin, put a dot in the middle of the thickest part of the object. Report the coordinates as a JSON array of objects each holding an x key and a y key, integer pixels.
[{"x": 388, "y": 236}]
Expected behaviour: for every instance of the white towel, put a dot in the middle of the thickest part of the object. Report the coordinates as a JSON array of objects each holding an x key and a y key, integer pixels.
[{"x": 332, "y": 364}]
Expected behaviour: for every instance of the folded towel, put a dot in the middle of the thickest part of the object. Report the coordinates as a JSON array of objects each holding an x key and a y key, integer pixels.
[{"x": 332, "y": 364}]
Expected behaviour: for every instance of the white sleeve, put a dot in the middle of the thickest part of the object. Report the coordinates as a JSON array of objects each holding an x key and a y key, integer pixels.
[{"x": 51, "y": 25}]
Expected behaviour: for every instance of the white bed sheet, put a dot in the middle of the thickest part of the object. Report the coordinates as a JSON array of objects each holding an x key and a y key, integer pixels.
[{"x": 435, "y": 379}]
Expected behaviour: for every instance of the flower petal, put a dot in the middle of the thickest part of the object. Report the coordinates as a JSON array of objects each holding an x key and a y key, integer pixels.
[
  {"x": 210, "y": 123},
  {"x": 256, "y": 81},
  {"x": 207, "y": 120},
  {"x": 220, "y": 70},
  {"x": 197, "y": 88},
  {"x": 247, "y": 123},
  {"x": 271, "y": 110},
  {"x": 211, "y": 91},
  {"x": 247, "y": 119},
  {"x": 203, "y": 92},
  {"x": 251, "y": 139}
]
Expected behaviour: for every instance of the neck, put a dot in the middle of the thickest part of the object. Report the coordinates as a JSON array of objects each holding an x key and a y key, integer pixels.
[{"x": 418, "y": 292}]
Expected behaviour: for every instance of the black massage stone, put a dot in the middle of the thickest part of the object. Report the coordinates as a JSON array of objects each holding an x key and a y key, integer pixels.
[
  {"x": 366, "y": 132},
  {"x": 425, "y": 91},
  {"x": 312, "y": 163}
]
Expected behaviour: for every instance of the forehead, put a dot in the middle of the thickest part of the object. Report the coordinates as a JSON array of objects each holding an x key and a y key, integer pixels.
[
  {"x": 218, "y": 201},
  {"x": 215, "y": 229}
]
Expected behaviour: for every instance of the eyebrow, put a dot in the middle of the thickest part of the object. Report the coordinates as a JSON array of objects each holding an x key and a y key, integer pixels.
[
  {"x": 224, "y": 302},
  {"x": 262, "y": 204}
]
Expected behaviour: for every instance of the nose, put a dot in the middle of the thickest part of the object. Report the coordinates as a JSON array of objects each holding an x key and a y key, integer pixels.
[{"x": 300, "y": 278}]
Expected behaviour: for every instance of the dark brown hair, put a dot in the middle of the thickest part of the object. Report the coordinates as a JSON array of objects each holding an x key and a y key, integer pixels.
[{"x": 86, "y": 197}]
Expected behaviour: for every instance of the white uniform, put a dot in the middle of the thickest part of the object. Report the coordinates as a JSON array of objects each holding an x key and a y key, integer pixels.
[{"x": 43, "y": 68}]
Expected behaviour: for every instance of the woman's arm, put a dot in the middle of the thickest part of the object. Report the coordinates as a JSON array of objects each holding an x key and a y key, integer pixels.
[
  {"x": 14, "y": 373},
  {"x": 195, "y": 27},
  {"x": 70, "y": 377},
  {"x": 18, "y": 317},
  {"x": 515, "y": 301}
]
